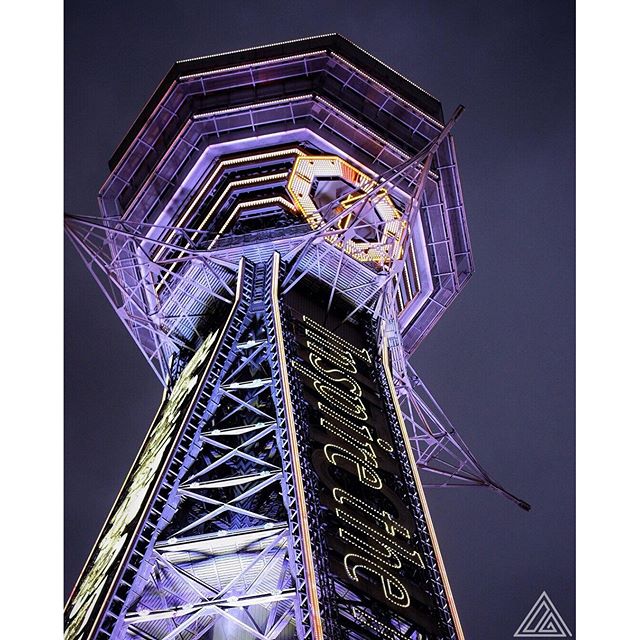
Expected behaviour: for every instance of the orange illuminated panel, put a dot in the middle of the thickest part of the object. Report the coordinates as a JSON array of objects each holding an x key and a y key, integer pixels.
[{"x": 368, "y": 224}]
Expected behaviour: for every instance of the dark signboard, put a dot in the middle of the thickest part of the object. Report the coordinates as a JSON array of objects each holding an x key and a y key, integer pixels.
[{"x": 382, "y": 571}]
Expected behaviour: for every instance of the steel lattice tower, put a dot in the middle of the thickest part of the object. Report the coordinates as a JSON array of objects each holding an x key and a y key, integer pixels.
[{"x": 280, "y": 230}]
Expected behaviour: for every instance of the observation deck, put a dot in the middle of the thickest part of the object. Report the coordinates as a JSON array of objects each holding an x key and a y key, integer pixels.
[{"x": 212, "y": 171}]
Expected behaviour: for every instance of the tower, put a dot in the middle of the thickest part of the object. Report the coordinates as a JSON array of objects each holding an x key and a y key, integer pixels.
[{"x": 280, "y": 230}]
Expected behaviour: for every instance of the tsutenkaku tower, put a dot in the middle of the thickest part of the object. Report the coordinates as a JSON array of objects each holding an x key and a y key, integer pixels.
[{"x": 281, "y": 228}]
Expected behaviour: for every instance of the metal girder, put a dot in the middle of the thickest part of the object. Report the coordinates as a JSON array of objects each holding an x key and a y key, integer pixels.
[
  {"x": 229, "y": 556},
  {"x": 440, "y": 451},
  {"x": 118, "y": 258}
]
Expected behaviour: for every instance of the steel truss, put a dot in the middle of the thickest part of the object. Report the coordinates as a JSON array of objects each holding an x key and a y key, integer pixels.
[
  {"x": 119, "y": 254},
  {"x": 228, "y": 559}
]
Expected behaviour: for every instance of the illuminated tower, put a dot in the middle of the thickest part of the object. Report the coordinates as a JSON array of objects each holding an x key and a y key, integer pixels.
[{"x": 281, "y": 228}]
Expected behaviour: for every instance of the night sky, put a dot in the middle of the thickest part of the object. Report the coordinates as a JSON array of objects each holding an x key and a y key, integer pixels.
[{"x": 500, "y": 362}]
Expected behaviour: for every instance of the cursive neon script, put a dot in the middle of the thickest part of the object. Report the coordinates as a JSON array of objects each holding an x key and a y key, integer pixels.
[{"x": 376, "y": 542}]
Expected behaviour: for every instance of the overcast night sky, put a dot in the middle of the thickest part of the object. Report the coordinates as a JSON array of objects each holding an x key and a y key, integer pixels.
[{"x": 500, "y": 362}]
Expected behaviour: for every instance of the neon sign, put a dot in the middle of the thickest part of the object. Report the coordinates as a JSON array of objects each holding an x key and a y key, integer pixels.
[{"x": 370, "y": 528}]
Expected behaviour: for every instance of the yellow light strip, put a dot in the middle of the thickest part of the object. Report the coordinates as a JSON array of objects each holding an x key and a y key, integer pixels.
[
  {"x": 233, "y": 185},
  {"x": 402, "y": 304},
  {"x": 398, "y": 300},
  {"x": 412, "y": 253},
  {"x": 218, "y": 168},
  {"x": 418, "y": 484},
  {"x": 303, "y": 522},
  {"x": 407, "y": 281}
]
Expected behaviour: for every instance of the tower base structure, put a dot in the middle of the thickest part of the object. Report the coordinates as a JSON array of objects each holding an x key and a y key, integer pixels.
[{"x": 276, "y": 495}]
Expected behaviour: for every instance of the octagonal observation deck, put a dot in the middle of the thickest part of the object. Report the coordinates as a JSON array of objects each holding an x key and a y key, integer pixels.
[{"x": 243, "y": 153}]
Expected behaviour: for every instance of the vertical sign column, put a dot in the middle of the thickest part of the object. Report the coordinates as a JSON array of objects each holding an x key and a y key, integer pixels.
[{"x": 385, "y": 577}]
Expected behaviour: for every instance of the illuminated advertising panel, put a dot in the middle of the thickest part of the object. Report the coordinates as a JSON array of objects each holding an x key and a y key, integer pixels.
[
  {"x": 102, "y": 571},
  {"x": 383, "y": 568}
]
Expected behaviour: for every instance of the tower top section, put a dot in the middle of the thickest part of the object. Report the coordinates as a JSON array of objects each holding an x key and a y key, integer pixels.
[{"x": 312, "y": 148}]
